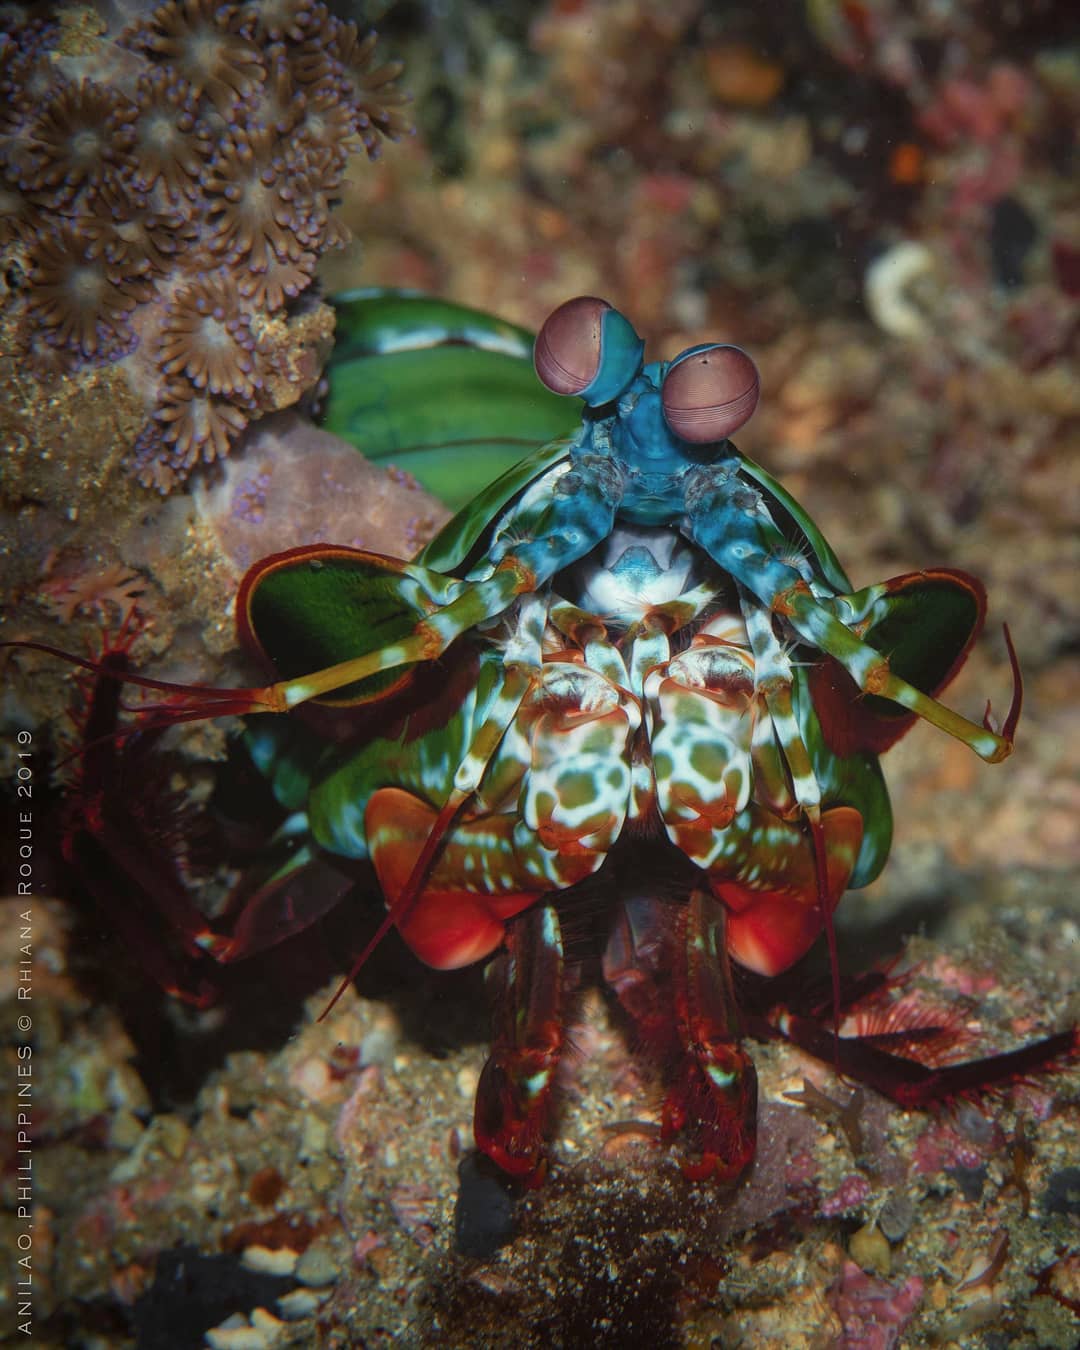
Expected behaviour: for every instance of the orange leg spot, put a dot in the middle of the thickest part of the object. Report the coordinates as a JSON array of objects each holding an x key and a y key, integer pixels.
[
  {"x": 877, "y": 677},
  {"x": 783, "y": 603},
  {"x": 769, "y": 929},
  {"x": 446, "y": 925}
]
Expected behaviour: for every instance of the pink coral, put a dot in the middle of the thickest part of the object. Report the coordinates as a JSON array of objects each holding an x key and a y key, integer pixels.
[
  {"x": 99, "y": 591},
  {"x": 852, "y": 1192},
  {"x": 874, "y": 1312},
  {"x": 967, "y": 109},
  {"x": 940, "y": 1147}
]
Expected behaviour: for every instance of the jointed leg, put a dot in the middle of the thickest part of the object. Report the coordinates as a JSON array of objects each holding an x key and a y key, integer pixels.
[
  {"x": 772, "y": 672},
  {"x": 728, "y": 518},
  {"x": 670, "y": 968},
  {"x": 513, "y": 1098}
]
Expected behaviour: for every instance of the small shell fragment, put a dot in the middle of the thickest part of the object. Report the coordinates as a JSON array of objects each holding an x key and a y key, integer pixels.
[
  {"x": 300, "y": 1303},
  {"x": 260, "y": 1333},
  {"x": 896, "y": 1217},
  {"x": 887, "y": 289},
  {"x": 987, "y": 1265},
  {"x": 317, "y": 1267},
  {"x": 869, "y": 1249},
  {"x": 270, "y": 1261}
]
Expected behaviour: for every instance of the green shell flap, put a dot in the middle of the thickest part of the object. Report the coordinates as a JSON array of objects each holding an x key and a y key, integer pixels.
[
  {"x": 458, "y": 537},
  {"x": 439, "y": 390},
  {"x": 376, "y": 321},
  {"x": 925, "y": 623},
  {"x": 317, "y": 606}
]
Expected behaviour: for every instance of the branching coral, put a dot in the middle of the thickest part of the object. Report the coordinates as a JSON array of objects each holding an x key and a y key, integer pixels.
[
  {"x": 107, "y": 591},
  {"x": 169, "y": 188}
]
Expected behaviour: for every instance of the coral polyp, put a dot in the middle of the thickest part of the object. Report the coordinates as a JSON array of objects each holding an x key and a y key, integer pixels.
[
  {"x": 136, "y": 234},
  {"x": 17, "y": 214},
  {"x": 283, "y": 280},
  {"x": 167, "y": 187},
  {"x": 249, "y": 210},
  {"x": 277, "y": 19},
  {"x": 197, "y": 425},
  {"x": 82, "y": 135},
  {"x": 197, "y": 39},
  {"x": 80, "y": 302},
  {"x": 207, "y": 336},
  {"x": 171, "y": 145},
  {"x": 370, "y": 88}
]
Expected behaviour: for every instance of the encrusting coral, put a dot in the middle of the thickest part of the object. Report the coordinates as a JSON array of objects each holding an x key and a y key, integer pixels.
[{"x": 166, "y": 189}]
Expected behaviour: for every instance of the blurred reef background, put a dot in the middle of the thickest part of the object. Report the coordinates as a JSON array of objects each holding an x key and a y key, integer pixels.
[{"x": 879, "y": 200}]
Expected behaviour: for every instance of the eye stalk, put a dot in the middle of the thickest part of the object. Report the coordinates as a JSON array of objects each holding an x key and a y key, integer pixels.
[
  {"x": 709, "y": 392},
  {"x": 587, "y": 348}
]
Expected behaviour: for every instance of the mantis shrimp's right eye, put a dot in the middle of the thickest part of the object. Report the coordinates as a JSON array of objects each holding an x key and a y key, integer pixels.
[
  {"x": 709, "y": 392},
  {"x": 567, "y": 354}
]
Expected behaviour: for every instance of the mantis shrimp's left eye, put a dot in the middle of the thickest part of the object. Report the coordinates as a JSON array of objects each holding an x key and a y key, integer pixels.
[
  {"x": 709, "y": 392},
  {"x": 589, "y": 349}
]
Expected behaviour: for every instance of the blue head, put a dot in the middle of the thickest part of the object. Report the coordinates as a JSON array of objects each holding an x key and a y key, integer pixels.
[{"x": 657, "y": 420}]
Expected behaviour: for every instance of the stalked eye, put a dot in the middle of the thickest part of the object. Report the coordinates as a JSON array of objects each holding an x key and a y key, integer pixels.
[
  {"x": 567, "y": 354},
  {"x": 587, "y": 348},
  {"x": 709, "y": 392}
]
